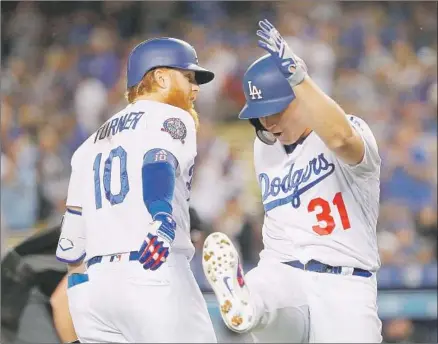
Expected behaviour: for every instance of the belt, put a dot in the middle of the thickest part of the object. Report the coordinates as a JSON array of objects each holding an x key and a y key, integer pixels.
[
  {"x": 133, "y": 255},
  {"x": 315, "y": 266},
  {"x": 76, "y": 278}
]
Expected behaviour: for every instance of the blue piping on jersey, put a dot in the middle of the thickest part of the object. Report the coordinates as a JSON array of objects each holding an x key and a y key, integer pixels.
[
  {"x": 75, "y": 211},
  {"x": 71, "y": 261}
]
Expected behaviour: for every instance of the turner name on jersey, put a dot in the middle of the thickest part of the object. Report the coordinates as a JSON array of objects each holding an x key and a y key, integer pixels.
[
  {"x": 318, "y": 207},
  {"x": 118, "y": 124}
]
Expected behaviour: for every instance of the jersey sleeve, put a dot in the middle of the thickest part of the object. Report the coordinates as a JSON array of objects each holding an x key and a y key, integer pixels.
[
  {"x": 173, "y": 133},
  {"x": 71, "y": 243},
  {"x": 370, "y": 164}
]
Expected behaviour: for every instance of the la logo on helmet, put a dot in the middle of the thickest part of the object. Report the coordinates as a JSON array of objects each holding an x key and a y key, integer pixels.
[{"x": 254, "y": 91}]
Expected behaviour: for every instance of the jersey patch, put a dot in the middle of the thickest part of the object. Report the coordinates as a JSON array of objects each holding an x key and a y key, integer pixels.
[
  {"x": 160, "y": 155},
  {"x": 176, "y": 128},
  {"x": 65, "y": 244}
]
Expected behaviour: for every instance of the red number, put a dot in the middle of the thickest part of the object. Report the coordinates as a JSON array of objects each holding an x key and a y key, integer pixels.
[
  {"x": 325, "y": 214},
  {"x": 338, "y": 201}
]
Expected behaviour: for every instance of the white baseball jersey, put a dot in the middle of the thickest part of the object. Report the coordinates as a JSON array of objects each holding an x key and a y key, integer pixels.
[
  {"x": 106, "y": 213},
  {"x": 317, "y": 206}
]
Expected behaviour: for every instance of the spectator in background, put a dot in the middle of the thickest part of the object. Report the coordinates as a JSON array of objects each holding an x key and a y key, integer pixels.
[
  {"x": 426, "y": 223},
  {"x": 90, "y": 102},
  {"x": 399, "y": 242},
  {"x": 407, "y": 172},
  {"x": 56, "y": 82},
  {"x": 19, "y": 182},
  {"x": 74, "y": 134},
  {"x": 15, "y": 75},
  {"x": 402, "y": 330},
  {"x": 220, "y": 59},
  {"x": 218, "y": 174},
  {"x": 101, "y": 61},
  {"x": 54, "y": 173},
  {"x": 354, "y": 90},
  {"x": 241, "y": 228},
  {"x": 231, "y": 221},
  {"x": 28, "y": 24}
]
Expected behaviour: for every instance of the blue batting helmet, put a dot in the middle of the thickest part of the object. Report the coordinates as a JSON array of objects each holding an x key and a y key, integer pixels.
[
  {"x": 267, "y": 92},
  {"x": 164, "y": 52}
]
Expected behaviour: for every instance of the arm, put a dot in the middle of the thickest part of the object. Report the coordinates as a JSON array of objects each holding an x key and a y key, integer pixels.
[
  {"x": 329, "y": 121},
  {"x": 158, "y": 184},
  {"x": 174, "y": 141},
  {"x": 71, "y": 244},
  {"x": 319, "y": 112},
  {"x": 70, "y": 250},
  {"x": 61, "y": 313}
]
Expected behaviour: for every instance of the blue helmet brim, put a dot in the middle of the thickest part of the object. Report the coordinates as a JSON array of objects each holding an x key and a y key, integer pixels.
[
  {"x": 202, "y": 75},
  {"x": 265, "y": 108}
]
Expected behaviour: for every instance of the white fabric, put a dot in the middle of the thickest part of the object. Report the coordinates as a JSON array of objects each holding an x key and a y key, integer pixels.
[
  {"x": 312, "y": 180},
  {"x": 340, "y": 308},
  {"x": 122, "y": 227},
  {"x": 127, "y": 304}
]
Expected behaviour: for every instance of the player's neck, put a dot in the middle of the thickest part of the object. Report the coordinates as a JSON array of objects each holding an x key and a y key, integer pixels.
[
  {"x": 290, "y": 148},
  {"x": 157, "y": 97},
  {"x": 306, "y": 133}
]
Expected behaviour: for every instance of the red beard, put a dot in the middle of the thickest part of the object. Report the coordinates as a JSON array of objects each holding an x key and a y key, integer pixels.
[{"x": 176, "y": 97}]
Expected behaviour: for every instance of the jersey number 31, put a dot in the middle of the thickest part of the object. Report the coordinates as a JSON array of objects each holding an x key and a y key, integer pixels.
[
  {"x": 119, "y": 153},
  {"x": 325, "y": 214}
]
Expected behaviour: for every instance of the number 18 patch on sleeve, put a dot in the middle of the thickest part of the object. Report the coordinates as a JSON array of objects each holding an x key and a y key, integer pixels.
[{"x": 176, "y": 128}]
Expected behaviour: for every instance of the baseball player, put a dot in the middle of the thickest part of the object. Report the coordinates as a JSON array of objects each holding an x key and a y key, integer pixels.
[
  {"x": 127, "y": 208},
  {"x": 318, "y": 171}
]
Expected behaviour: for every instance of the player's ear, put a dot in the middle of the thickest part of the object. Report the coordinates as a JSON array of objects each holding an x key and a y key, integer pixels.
[{"x": 162, "y": 78}]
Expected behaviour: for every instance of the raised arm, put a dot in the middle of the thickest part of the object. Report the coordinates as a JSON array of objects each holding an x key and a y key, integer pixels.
[{"x": 317, "y": 110}]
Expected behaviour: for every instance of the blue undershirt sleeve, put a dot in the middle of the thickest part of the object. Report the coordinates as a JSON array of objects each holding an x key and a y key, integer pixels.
[{"x": 158, "y": 179}]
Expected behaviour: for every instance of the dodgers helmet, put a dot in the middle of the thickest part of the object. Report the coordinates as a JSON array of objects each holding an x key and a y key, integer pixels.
[
  {"x": 267, "y": 92},
  {"x": 164, "y": 52}
]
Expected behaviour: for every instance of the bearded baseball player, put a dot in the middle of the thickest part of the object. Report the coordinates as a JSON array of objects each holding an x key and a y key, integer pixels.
[
  {"x": 318, "y": 170},
  {"x": 127, "y": 208}
]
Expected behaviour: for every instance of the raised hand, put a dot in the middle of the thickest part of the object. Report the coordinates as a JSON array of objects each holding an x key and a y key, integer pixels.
[{"x": 291, "y": 66}]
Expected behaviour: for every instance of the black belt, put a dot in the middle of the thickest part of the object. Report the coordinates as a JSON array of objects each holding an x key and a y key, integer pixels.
[{"x": 315, "y": 266}]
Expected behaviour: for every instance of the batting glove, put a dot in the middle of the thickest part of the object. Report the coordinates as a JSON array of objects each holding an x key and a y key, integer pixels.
[
  {"x": 291, "y": 66},
  {"x": 156, "y": 247}
]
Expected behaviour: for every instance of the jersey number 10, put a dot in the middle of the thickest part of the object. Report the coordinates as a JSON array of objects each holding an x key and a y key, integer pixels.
[{"x": 120, "y": 153}]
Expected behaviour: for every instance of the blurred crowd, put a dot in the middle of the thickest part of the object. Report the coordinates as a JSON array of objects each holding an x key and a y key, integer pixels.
[{"x": 63, "y": 74}]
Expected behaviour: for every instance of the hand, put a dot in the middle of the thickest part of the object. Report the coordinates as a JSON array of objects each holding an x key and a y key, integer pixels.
[
  {"x": 293, "y": 68},
  {"x": 153, "y": 252}
]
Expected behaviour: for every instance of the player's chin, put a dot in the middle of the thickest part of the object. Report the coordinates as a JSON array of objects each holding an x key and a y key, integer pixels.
[
  {"x": 178, "y": 98},
  {"x": 286, "y": 139}
]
